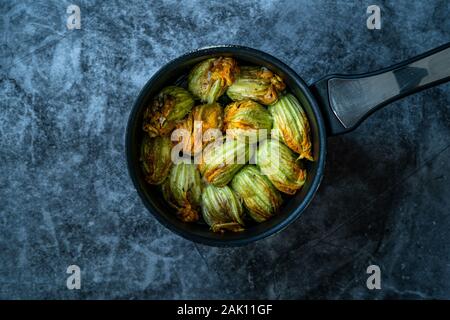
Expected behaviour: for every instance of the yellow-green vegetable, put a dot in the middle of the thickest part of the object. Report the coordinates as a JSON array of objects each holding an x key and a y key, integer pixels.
[
  {"x": 155, "y": 158},
  {"x": 222, "y": 159},
  {"x": 183, "y": 190},
  {"x": 291, "y": 125},
  {"x": 260, "y": 197},
  {"x": 256, "y": 83},
  {"x": 170, "y": 105},
  {"x": 281, "y": 166},
  {"x": 221, "y": 209},
  {"x": 246, "y": 115},
  {"x": 209, "y": 79},
  {"x": 209, "y": 116},
  {"x": 186, "y": 136}
]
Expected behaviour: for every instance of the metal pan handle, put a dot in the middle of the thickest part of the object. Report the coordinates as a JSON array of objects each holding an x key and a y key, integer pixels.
[{"x": 348, "y": 99}]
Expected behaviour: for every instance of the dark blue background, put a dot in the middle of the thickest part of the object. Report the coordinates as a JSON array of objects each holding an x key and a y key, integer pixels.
[{"x": 65, "y": 194}]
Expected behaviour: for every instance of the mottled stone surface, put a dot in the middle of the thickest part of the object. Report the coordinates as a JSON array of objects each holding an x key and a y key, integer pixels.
[{"x": 66, "y": 197}]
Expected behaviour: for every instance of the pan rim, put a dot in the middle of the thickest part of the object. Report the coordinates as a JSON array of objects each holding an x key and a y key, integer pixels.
[{"x": 321, "y": 159}]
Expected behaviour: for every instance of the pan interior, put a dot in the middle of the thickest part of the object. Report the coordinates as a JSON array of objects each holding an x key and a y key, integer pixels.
[{"x": 151, "y": 195}]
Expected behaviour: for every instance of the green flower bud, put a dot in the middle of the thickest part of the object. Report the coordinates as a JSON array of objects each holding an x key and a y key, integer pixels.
[
  {"x": 183, "y": 190},
  {"x": 187, "y": 136},
  {"x": 246, "y": 115},
  {"x": 209, "y": 79},
  {"x": 258, "y": 84},
  {"x": 210, "y": 116},
  {"x": 222, "y": 159},
  {"x": 171, "y": 104},
  {"x": 281, "y": 166},
  {"x": 259, "y": 195},
  {"x": 291, "y": 125},
  {"x": 155, "y": 158},
  {"x": 221, "y": 209}
]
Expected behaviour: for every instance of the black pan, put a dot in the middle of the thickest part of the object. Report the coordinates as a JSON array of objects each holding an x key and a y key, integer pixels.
[{"x": 334, "y": 105}]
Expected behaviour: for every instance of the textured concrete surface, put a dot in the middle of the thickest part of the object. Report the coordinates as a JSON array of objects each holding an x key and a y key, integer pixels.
[{"x": 65, "y": 194}]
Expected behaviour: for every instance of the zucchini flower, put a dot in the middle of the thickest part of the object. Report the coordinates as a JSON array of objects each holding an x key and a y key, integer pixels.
[
  {"x": 221, "y": 209},
  {"x": 259, "y": 195},
  {"x": 200, "y": 120},
  {"x": 246, "y": 115},
  {"x": 183, "y": 191},
  {"x": 186, "y": 137},
  {"x": 281, "y": 166},
  {"x": 291, "y": 125},
  {"x": 222, "y": 159},
  {"x": 211, "y": 116},
  {"x": 258, "y": 84},
  {"x": 170, "y": 105},
  {"x": 155, "y": 158},
  {"x": 209, "y": 79}
]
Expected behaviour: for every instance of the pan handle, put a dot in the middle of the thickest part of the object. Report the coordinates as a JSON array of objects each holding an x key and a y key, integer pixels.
[{"x": 347, "y": 100}]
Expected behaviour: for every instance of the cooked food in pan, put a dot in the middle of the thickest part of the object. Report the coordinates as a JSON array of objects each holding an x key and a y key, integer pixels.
[{"x": 241, "y": 141}]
